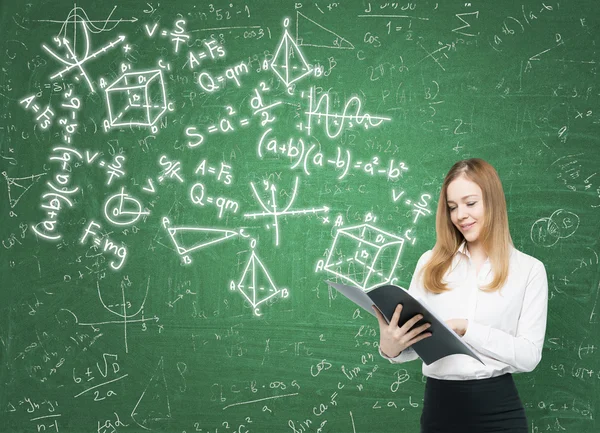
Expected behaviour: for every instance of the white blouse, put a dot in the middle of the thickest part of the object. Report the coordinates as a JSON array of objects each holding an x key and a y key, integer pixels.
[{"x": 506, "y": 328}]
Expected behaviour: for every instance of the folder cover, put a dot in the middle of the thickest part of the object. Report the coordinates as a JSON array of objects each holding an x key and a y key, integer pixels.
[{"x": 443, "y": 341}]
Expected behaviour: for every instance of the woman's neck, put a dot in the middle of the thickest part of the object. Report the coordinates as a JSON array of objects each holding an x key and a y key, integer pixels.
[{"x": 476, "y": 251}]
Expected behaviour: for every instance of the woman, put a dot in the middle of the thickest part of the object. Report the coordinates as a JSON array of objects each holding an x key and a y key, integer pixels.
[{"x": 492, "y": 295}]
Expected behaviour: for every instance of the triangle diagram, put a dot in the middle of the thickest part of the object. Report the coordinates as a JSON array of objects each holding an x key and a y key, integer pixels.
[
  {"x": 18, "y": 186},
  {"x": 153, "y": 404},
  {"x": 188, "y": 239},
  {"x": 562, "y": 51},
  {"x": 312, "y": 34}
]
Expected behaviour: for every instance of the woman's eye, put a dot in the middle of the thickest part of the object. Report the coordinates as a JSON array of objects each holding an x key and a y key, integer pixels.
[
  {"x": 451, "y": 208},
  {"x": 472, "y": 203}
]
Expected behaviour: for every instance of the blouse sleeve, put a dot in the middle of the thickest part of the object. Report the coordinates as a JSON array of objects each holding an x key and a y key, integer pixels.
[
  {"x": 523, "y": 351},
  {"x": 417, "y": 290}
]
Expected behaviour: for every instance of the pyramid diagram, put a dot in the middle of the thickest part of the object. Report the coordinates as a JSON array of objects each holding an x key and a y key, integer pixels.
[{"x": 288, "y": 62}]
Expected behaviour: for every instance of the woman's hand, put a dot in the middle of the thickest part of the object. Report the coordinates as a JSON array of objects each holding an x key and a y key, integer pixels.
[
  {"x": 458, "y": 325},
  {"x": 394, "y": 339}
]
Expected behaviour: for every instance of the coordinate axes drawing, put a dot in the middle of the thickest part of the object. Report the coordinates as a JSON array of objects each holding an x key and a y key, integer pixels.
[
  {"x": 124, "y": 317},
  {"x": 70, "y": 56},
  {"x": 271, "y": 209}
]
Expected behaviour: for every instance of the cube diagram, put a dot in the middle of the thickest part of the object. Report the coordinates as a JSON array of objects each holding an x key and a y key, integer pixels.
[
  {"x": 136, "y": 98},
  {"x": 364, "y": 256}
]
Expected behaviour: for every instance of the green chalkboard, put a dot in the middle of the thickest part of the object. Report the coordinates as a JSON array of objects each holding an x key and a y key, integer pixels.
[{"x": 180, "y": 178}]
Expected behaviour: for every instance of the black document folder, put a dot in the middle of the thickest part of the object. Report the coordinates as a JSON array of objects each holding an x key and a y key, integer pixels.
[{"x": 443, "y": 341}]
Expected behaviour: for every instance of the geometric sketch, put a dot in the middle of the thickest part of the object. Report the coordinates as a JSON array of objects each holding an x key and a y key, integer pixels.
[
  {"x": 120, "y": 213},
  {"x": 338, "y": 120},
  {"x": 273, "y": 210},
  {"x": 196, "y": 237},
  {"x": 256, "y": 284},
  {"x": 155, "y": 406},
  {"x": 547, "y": 231},
  {"x": 372, "y": 256},
  {"x": 136, "y": 98},
  {"x": 330, "y": 39},
  {"x": 288, "y": 62},
  {"x": 11, "y": 181},
  {"x": 71, "y": 58},
  {"x": 431, "y": 54}
]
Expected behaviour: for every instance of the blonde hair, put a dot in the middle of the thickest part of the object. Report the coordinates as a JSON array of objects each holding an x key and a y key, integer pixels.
[{"x": 494, "y": 235}]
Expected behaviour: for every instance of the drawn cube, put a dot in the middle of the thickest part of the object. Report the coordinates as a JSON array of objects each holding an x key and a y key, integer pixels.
[
  {"x": 364, "y": 256},
  {"x": 136, "y": 98}
]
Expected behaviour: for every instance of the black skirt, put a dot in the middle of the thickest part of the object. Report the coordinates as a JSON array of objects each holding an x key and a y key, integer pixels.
[{"x": 473, "y": 406}]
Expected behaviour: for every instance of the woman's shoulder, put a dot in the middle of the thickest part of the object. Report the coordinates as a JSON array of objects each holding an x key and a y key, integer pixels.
[
  {"x": 424, "y": 258},
  {"x": 525, "y": 261}
]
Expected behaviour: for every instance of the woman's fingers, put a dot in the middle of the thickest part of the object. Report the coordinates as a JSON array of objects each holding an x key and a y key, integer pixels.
[
  {"x": 410, "y": 323},
  {"x": 418, "y": 338},
  {"x": 394, "y": 338},
  {"x": 415, "y": 332},
  {"x": 380, "y": 318},
  {"x": 396, "y": 316}
]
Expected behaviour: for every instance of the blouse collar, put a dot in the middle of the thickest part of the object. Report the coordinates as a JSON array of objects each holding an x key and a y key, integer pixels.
[{"x": 463, "y": 249}]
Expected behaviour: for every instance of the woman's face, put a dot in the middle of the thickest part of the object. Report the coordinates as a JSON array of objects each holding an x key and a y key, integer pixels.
[{"x": 465, "y": 204}]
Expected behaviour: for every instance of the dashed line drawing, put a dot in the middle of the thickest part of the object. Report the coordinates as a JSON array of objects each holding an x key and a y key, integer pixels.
[
  {"x": 196, "y": 238},
  {"x": 158, "y": 395},
  {"x": 136, "y": 98},
  {"x": 321, "y": 110},
  {"x": 272, "y": 210},
  {"x": 288, "y": 62},
  {"x": 19, "y": 182},
  {"x": 127, "y": 318},
  {"x": 256, "y": 284},
  {"x": 374, "y": 255},
  {"x": 70, "y": 57},
  {"x": 327, "y": 38}
]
